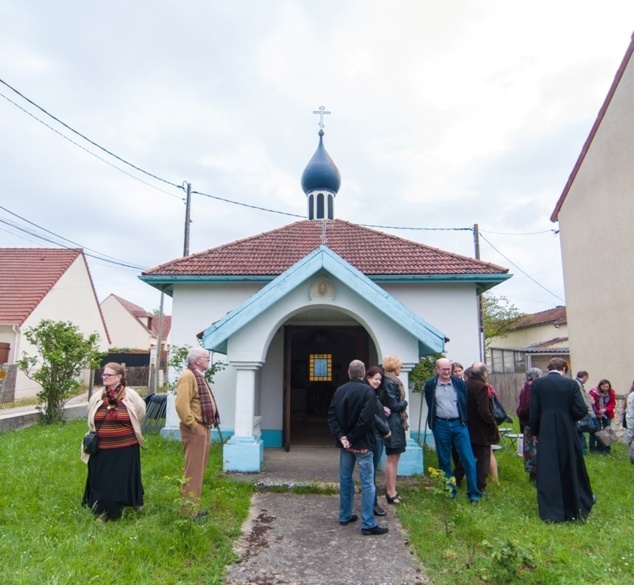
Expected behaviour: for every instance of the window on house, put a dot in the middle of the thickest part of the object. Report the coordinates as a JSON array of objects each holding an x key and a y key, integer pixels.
[{"x": 320, "y": 367}]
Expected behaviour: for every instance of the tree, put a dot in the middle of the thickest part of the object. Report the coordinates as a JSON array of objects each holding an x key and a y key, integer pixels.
[
  {"x": 63, "y": 352},
  {"x": 178, "y": 362},
  {"x": 498, "y": 316},
  {"x": 423, "y": 371}
]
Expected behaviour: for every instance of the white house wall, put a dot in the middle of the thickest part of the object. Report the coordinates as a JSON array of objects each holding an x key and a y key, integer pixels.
[
  {"x": 72, "y": 299},
  {"x": 597, "y": 240},
  {"x": 124, "y": 328},
  {"x": 531, "y": 335},
  {"x": 451, "y": 308}
]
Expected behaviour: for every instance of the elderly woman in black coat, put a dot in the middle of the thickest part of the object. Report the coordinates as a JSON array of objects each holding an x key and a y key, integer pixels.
[{"x": 394, "y": 398}]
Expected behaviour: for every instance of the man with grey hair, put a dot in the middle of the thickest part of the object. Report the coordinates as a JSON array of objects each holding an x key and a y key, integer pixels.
[
  {"x": 351, "y": 422},
  {"x": 197, "y": 410},
  {"x": 446, "y": 398}
]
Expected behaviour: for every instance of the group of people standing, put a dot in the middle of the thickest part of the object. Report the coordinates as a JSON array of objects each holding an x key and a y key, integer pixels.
[
  {"x": 115, "y": 414},
  {"x": 367, "y": 414},
  {"x": 461, "y": 416}
]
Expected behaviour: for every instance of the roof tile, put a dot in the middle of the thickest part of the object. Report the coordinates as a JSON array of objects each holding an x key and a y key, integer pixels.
[
  {"x": 370, "y": 251},
  {"x": 27, "y": 275}
]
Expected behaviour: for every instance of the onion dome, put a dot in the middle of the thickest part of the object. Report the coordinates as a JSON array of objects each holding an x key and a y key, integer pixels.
[
  {"x": 321, "y": 173},
  {"x": 321, "y": 181}
]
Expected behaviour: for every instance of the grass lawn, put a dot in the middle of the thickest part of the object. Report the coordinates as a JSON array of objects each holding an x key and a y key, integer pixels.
[
  {"x": 501, "y": 540},
  {"x": 46, "y": 537}
]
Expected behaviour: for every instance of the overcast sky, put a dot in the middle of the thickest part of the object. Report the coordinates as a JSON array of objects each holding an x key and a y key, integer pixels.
[{"x": 444, "y": 115}]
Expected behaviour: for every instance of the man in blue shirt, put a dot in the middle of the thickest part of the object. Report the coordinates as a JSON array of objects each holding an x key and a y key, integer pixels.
[{"x": 446, "y": 398}]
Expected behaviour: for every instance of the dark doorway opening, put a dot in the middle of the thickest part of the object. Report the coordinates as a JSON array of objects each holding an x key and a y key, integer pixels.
[{"x": 316, "y": 361}]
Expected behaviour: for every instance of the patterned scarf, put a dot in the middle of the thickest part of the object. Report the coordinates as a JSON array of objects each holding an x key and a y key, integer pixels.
[{"x": 209, "y": 410}]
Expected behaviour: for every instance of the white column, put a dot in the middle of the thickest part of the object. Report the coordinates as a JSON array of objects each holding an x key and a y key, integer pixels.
[
  {"x": 244, "y": 452},
  {"x": 245, "y": 400}
]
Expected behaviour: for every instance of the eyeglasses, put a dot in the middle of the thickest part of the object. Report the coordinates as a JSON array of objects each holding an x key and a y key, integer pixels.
[{"x": 109, "y": 375}]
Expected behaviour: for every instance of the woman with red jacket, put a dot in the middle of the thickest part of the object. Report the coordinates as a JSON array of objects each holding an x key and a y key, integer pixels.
[{"x": 604, "y": 401}]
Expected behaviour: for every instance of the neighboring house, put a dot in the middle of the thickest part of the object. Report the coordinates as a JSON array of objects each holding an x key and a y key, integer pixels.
[
  {"x": 290, "y": 308},
  {"x": 131, "y": 326},
  {"x": 531, "y": 343},
  {"x": 596, "y": 218},
  {"x": 42, "y": 283}
]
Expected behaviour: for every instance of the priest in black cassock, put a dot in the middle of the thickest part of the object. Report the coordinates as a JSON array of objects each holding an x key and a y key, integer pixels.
[{"x": 563, "y": 485}]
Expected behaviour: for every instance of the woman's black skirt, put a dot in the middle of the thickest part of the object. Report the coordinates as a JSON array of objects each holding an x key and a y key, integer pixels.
[{"x": 114, "y": 481}]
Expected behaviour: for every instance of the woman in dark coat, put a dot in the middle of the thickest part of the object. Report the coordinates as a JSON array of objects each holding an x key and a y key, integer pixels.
[
  {"x": 374, "y": 377},
  {"x": 394, "y": 398},
  {"x": 529, "y": 444},
  {"x": 563, "y": 485}
]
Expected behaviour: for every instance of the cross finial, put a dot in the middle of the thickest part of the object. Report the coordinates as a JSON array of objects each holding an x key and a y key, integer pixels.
[{"x": 321, "y": 113}]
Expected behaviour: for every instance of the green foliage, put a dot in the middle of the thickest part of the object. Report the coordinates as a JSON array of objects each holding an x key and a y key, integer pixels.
[
  {"x": 423, "y": 371},
  {"x": 443, "y": 487},
  {"x": 178, "y": 362},
  {"x": 510, "y": 559},
  {"x": 63, "y": 352},
  {"x": 498, "y": 316}
]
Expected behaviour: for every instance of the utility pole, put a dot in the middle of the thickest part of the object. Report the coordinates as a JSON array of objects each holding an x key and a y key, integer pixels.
[
  {"x": 159, "y": 342},
  {"x": 188, "y": 206},
  {"x": 476, "y": 245}
]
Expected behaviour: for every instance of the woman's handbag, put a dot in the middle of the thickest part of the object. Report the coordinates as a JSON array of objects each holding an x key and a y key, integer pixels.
[
  {"x": 91, "y": 443},
  {"x": 607, "y": 436},
  {"x": 498, "y": 410},
  {"x": 587, "y": 424}
]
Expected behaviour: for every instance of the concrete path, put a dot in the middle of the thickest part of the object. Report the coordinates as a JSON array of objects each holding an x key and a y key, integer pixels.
[{"x": 296, "y": 539}]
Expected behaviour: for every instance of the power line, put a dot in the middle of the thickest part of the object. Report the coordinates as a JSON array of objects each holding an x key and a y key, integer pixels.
[
  {"x": 233, "y": 202},
  {"x": 88, "y": 151},
  {"x": 95, "y": 254},
  {"x": 86, "y": 138},
  {"x": 522, "y": 271}
]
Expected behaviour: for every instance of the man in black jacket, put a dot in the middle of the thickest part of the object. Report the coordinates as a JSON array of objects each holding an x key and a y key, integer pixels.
[{"x": 351, "y": 422}]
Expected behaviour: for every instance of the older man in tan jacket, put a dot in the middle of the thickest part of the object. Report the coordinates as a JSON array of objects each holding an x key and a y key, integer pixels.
[{"x": 198, "y": 413}]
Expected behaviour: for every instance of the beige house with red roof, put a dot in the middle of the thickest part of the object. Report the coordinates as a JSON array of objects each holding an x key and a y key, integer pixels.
[
  {"x": 131, "y": 326},
  {"x": 532, "y": 342},
  {"x": 41, "y": 283},
  {"x": 289, "y": 309},
  {"x": 596, "y": 218}
]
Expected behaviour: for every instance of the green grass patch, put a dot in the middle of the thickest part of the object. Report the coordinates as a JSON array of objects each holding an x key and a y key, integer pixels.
[
  {"x": 46, "y": 537},
  {"x": 501, "y": 540}
]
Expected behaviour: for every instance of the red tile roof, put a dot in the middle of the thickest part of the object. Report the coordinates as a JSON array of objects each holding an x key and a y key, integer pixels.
[
  {"x": 135, "y": 310},
  {"x": 556, "y": 316},
  {"x": 26, "y": 276},
  {"x": 370, "y": 251},
  {"x": 144, "y": 317}
]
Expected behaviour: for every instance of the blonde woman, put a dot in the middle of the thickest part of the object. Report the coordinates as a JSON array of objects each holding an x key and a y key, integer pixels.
[{"x": 394, "y": 399}]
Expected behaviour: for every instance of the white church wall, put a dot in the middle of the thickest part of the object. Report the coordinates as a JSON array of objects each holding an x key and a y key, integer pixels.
[{"x": 451, "y": 308}]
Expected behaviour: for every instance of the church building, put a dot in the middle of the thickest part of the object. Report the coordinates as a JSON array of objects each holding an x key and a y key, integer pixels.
[{"x": 289, "y": 309}]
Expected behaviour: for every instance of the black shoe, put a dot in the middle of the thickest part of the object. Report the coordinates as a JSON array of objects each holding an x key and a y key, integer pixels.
[
  {"x": 378, "y": 511},
  {"x": 352, "y": 518},
  {"x": 202, "y": 513},
  {"x": 376, "y": 530}
]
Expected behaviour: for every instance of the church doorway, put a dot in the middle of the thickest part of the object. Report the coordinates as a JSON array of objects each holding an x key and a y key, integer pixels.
[{"x": 316, "y": 360}]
